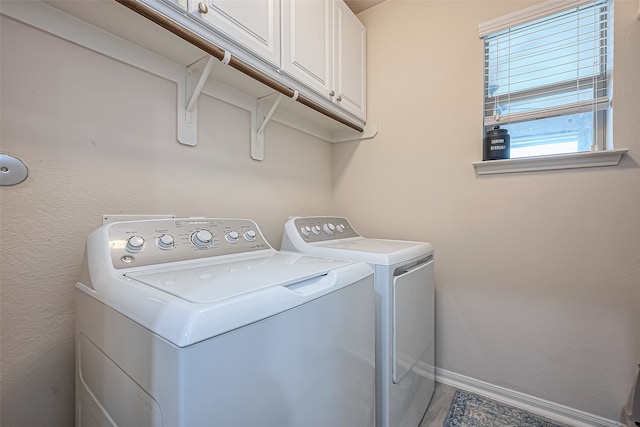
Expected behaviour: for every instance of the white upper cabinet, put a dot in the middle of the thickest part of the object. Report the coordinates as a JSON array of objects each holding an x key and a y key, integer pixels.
[
  {"x": 324, "y": 47},
  {"x": 253, "y": 24},
  {"x": 307, "y": 43},
  {"x": 350, "y": 61},
  {"x": 315, "y": 48}
]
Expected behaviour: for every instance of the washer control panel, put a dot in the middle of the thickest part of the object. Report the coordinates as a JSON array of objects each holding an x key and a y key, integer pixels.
[
  {"x": 323, "y": 228},
  {"x": 141, "y": 243}
]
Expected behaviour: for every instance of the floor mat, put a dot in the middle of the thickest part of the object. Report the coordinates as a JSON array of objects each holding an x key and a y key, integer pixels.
[{"x": 471, "y": 410}]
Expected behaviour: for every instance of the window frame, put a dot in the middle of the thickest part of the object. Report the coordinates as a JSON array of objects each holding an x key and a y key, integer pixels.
[{"x": 603, "y": 155}]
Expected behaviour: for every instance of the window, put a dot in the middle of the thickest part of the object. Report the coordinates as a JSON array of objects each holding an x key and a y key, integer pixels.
[{"x": 547, "y": 77}]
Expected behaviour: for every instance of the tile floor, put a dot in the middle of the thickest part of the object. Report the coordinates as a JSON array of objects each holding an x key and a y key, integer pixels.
[{"x": 439, "y": 406}]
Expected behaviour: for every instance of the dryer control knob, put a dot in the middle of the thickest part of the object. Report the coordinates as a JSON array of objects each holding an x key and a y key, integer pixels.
[
  {"x": 249, "y": 235},
  {"x": 202, "y": 238},
  {"x": 340, "y": 228},
  {"x": 232, "y": 237},
  {"x": 165, "y": 242},
  {"x": 306, "y": 230},
  {"x": 329, "y": 228},
  {"x": 134, "y": 244},
  {"x": 315, "y": 229}
]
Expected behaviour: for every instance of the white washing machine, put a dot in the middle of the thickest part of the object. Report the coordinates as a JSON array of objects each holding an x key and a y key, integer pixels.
[
  {"x": 199, "y": 322},
  {"x": 404, "y": 283}
]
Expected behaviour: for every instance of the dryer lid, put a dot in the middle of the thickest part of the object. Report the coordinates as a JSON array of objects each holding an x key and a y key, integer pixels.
[{"x": 372, "y": 251}]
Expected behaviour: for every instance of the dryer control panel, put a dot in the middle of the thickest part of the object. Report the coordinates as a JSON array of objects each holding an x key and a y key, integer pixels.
[
  {"x": 323, "y": 228},
  {"x": 151, "y": 242}
]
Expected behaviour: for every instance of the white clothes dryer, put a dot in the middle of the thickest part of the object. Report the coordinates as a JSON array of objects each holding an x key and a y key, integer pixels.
[
  {"x": 200, "y": 322},
  {"x": 404, "y": 283}
]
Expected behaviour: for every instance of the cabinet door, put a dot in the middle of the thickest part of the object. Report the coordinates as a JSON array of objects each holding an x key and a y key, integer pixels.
[
  {"x": 307, "y": 43},
  {"x": 350, "y": 53},
  {"x": 253, "y": 24}
]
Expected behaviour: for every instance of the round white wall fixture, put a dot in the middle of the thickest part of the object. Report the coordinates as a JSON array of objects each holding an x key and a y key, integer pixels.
[{"x": 12, "y": 170}]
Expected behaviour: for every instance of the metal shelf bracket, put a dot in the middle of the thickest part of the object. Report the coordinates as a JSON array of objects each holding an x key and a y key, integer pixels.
[
  {"x": 271, "y": 102},
  {"x": 261, "y": 113},
  {"x": 196, "y": 77}
]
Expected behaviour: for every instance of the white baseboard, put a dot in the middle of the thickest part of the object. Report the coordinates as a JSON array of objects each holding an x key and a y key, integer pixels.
[{"x": 544, "y": 408}]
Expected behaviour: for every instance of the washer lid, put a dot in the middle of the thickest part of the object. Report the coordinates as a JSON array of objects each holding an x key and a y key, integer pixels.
[
  {"x": 216, "y": 282},
  {"x": 372, "y": 251},
  {"x": 188, "y": 304}
]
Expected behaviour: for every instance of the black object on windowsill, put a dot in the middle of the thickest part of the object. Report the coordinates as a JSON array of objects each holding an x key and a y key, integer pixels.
[{"x": 496, "y": 144}]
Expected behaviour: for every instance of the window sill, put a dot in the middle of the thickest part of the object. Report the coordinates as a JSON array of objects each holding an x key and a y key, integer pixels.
[{"x": 587, "y": 159}]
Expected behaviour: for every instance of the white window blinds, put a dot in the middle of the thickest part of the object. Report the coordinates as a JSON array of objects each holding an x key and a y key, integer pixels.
[{"x": 557, "y": 63}]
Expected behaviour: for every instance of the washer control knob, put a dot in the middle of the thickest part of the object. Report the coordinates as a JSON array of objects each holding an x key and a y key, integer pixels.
[
  {"x": 329, "y": 228},
  {"x": 306, "y": 230},
  {"x": 340, "y": 228},
  {"x": 232, "y": 237},
  {"x": 165, "y": 242},
  {"x": 315, "y": 229},
  {"x": 202, "y": 239},
  {"x": 249, "y": 235},
  {"x": 134, "y": 244}
]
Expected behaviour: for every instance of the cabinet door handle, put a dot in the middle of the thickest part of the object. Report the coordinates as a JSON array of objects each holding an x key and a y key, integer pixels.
[
  {"x": 332, "y": 94},
  {"x": 202, "y": 8},
  {"x": 339, "y": 98}
]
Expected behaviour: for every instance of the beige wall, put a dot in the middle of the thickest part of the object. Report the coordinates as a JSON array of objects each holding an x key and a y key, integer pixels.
[
  {"x": 538, "y": 274},
  {"x": 98, "y": 137}
]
